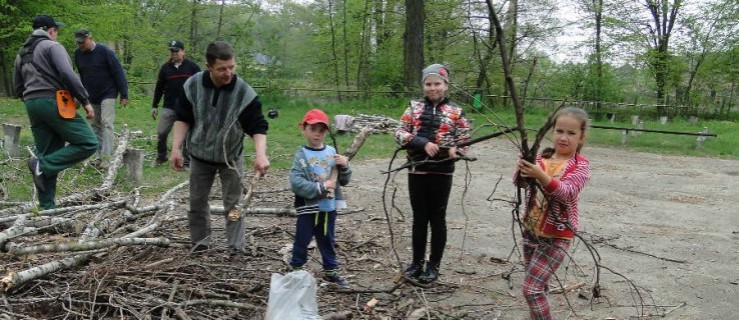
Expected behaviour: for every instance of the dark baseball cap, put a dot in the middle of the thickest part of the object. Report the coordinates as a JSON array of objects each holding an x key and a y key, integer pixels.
[
  {"x": 81, "y": 35},
  {"x": 176, "y": 45},
  {"x": 46, "y": 22}
]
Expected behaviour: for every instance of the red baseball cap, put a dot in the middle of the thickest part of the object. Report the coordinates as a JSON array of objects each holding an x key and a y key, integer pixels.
[{"x": 314, "y": 116}]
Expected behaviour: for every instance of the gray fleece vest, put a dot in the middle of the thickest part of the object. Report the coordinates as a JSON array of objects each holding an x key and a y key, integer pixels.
[{"x": 216, "y": 134}]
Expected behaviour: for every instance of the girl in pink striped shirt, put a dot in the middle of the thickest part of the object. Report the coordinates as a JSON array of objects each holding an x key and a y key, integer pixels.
[{"x": 551, "y": 217}]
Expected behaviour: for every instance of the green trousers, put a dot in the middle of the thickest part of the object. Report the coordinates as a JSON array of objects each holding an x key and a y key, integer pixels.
[{"x": 51, "y": 132}]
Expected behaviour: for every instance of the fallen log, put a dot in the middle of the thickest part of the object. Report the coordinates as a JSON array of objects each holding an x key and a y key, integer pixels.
[{"x": 90, "y": 245}]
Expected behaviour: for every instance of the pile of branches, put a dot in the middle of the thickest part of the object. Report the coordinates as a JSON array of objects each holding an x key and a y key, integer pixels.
[
  {"x": 377, "y": 122},
  {"x": 103, "y": 254}
]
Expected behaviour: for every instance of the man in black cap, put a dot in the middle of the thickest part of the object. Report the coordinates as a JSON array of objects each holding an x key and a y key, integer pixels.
[
  {"x": 103, "y": 77},
  {"x": 172, "y": 75},
  {"x": 44, "y": 75}
]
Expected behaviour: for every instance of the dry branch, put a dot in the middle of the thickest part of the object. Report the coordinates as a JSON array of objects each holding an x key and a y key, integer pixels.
[
  {"x": 14, "y": 279},
  {"x": 239, "y": 210},
  {"x": 91, "y": 245}
]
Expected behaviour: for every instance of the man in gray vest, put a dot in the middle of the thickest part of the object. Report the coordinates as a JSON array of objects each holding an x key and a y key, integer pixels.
[
  {"x": 214, "y": 111},
  {"x": 44, "y": 79}
]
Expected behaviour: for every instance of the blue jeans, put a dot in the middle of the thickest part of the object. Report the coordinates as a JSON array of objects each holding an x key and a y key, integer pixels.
[{"x": 321, "y": 225}]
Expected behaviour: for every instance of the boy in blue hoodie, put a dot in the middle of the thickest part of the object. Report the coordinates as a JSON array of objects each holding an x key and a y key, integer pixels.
[{"x": 317, "y": 195}]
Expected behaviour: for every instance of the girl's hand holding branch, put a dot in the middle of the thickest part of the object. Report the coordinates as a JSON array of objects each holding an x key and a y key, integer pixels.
[{"x": 534, "y": 171}]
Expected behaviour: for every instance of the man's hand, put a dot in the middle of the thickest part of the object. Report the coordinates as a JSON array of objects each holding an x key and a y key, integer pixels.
[
  {"x": 261, "y": 165},
  {"x": 154, "y": 113},
  {"x": 124, "y": 102},
  {"x": 176, "y": 160},
  {"x": 89, "y": 111}
]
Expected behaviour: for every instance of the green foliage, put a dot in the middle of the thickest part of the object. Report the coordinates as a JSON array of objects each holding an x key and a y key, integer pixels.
[{"x": 357, "y": 44}]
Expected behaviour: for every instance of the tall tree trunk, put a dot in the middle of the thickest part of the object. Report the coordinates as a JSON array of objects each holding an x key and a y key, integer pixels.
[
  {"x": 127, "y": 52},
  {"x": 6, "y": 73},
  {"x": 363, "y": 61},
  {"x": 380, "y": 17},
  {"x": 413, "y": 58},
  {"x": 346, "y": 46},
  {"x": 511, "y": 29},
  {"x": 663, "y": 15},
  {"x": 487, "y": 59},
  {"x": 194, "y": 23},
  {"x": 598, "y": 14},
  {"x": 333, "y": 44},
  {"x": 220, "y": 19}
]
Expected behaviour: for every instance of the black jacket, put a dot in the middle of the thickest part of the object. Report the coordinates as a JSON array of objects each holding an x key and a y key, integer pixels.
[{"x": 170, "y": 81}]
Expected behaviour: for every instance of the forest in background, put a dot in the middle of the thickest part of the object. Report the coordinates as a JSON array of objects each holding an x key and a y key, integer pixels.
[{"x": 658, "y": 52}]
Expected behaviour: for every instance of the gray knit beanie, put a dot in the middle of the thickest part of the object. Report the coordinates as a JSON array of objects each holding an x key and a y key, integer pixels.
[{"x": 436, "y": 70}]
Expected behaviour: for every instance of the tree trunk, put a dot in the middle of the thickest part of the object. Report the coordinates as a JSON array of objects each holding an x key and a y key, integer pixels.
[
  {"x": 194, "y": 23},
  {"x": 363, "y": 54},
  {"x": 511, "y": 29},
  {"x": 346, "y": 46},
  {"x": 6, "y": 73},
  {"x": 413, "y": 58},
  {"x": 598, "y": 13},
  {"x": 220, "y": 19},
  {"x": 333, "y": 45},
  {"x": 663, "y": 15}
]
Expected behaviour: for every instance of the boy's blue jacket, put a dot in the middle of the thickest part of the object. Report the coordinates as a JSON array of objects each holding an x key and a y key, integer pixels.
[{"x": 307, "y": 192}]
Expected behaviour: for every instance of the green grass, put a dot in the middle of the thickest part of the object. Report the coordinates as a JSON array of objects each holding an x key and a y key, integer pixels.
[{"x": 284, "y": 137}]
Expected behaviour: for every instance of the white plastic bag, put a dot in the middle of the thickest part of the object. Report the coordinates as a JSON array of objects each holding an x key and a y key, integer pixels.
[{"x": 292, "y": 297}]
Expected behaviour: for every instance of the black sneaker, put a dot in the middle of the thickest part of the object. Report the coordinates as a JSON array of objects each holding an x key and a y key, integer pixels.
[
  {"x": 160, "y": 161},
  {"x": 331, "y": 276},
  {"x": 414, "y": 270},
  {"x": 430, "y": 275},
  {"x": 38, "y": 176}
]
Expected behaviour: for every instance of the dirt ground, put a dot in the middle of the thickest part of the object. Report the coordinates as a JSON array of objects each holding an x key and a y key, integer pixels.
[{"x": 666, "y": 225}]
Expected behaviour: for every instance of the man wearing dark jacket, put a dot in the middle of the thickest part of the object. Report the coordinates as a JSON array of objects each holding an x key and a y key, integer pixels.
[
  {"x": 172, "y": 75},
  {"x": 42, "y": 71},
  {"x": 103, "y": 77}
]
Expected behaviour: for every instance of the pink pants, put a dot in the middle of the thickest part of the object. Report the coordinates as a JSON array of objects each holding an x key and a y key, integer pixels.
[{"x": 542, "y": 258}]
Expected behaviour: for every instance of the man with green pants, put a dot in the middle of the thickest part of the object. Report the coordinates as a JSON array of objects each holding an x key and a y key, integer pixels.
[{"x": 44, "y": 79}]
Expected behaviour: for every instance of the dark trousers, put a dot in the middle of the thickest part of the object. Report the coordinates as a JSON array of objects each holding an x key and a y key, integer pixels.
[
  {"x": 50, "y": 133},
  {"x": 202, "y": 175},
  {"x": 429, "y": 195},
  {"x": 167, "y": 118},
  {"x": 321, "y": 225}
]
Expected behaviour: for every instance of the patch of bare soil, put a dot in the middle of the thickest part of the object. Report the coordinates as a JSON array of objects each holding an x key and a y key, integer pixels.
[{"x": 664, "y": 229}]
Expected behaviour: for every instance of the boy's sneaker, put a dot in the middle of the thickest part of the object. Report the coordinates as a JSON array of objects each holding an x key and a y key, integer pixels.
[
  {"x": 332, "y": 276},
  {"x": 38, "y": 176}
]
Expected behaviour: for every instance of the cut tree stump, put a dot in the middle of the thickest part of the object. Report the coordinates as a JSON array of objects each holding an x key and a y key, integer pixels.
[
  {"x": 133, "y": 159},
  {"x": 12, "y": 134}
]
